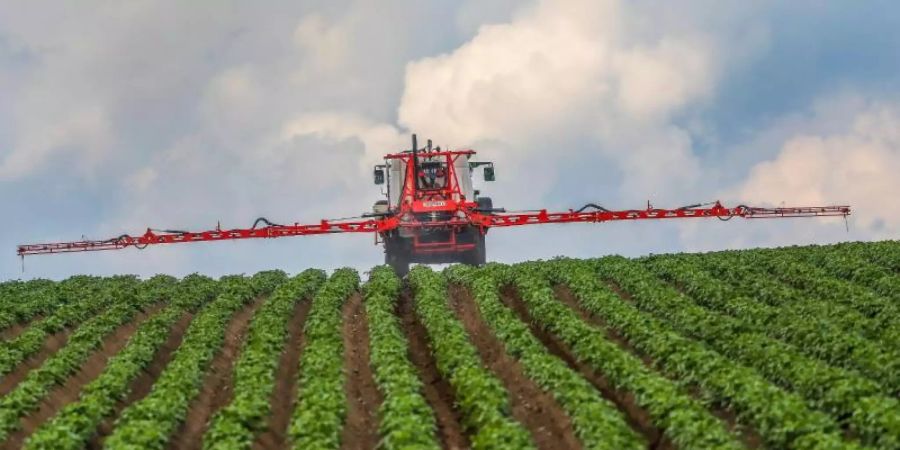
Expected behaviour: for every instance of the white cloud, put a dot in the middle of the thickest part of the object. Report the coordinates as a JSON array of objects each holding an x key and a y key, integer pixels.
[
  {"x": 845, "y": 150},
  {"x": 858, "y": 167},
  {"x": 234, "y": 102},
  {"x": 145, "y": 75},
  {"x": 181, "y": 114},
  {"x": 571, "y": 68},
  {"x": 472, "y": 14},
  {"x": 378, "y": 138},
  {"x": 86, "y": 133},
  {"x": 327, "y": 44},
  {"x": 88, "y": 69},
  {"x": 664, "y": 77},
  {"x": 510, "y": 81}
]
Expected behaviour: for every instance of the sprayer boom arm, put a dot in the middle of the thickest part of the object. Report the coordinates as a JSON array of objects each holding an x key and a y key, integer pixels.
[
  {"x": 600, "y": 214},
  {"x": 589, "y": 213},
  {"x": 152, "y": 237}
]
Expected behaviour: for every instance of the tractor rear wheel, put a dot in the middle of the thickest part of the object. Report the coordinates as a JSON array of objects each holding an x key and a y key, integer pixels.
[
  {"x": 396, "y": 255},
  {"x": 478, "y": 255}
]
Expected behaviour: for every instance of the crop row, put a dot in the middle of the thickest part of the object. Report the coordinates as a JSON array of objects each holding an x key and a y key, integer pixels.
[
  {"x": 84, "y": 296},
  {"x": 237, "y": 424},
  {"x": 760, "y": 285},
  {"x": 683, "y": 419},
  {"x": 781, "y": 418},
  {"x": 885, "y": 254},
  {"x": 85, "y": 292},
  {"x": 149, "y": 422},
  {"x": 598, "y": 424},
  {"x": 77, "y": 422},
  {"x": 841, "y": 263},
  {"x": 481, "y": 398},
  {"x": 407, "y": 420},
  {"x": 817, "y": 282},
  {"x": 813, "y": 336},
  {"x": 321, "y": 405},
  {"x": 130, "y": 297},
  {"x": 850, "y": 398},
  {"x": 21, "y": 302},
  {"x": 9, "y": 288}
]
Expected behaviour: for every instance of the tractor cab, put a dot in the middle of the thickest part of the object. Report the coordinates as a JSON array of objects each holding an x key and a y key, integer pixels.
[{"x": 430, "y": 191}]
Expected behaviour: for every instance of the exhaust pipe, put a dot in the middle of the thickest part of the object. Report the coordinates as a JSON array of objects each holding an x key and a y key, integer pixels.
[{"x": 415, "y": 164}]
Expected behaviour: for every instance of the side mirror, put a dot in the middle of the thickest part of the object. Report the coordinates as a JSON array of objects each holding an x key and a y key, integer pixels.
[
  {"x": 379, "y": 176},
  {"x": 489, "y": 173}
]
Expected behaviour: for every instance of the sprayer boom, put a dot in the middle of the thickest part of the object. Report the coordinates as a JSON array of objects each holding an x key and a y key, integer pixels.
[{"x": 432, "y": 214}]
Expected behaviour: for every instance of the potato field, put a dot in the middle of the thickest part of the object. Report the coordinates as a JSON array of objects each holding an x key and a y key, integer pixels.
[{"x": 768, "y": 348}]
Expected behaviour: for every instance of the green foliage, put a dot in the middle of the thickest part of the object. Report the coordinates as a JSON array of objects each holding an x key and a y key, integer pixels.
[
  {"x": 814, "y": 336},
  {"x": 74, "y": 425},
  {"x": 781, "y": 418},
  {"x": 851, "y": 399},
  {"x": 126, "y": 298},
  {"x": 21, "y": 302},
  {"x": 480, "y": 396},
  {"x": 684, "y": 420},
  {"x": 406, "y": 418},
  {"x": 885, "y": 254},
  {"x": 844, "y": 261},
  {"x": 148, "y": 423},
  {"x": 266, "y": 281},
  {"x": 237, "y": 424},
  {"x": 755, "y": 282},
  {"x": 802, "y": 344},
  {"x": 81, "y": 298},
  {"x": 321, "y": 406},
  {"x": 597, "y": 422},
  {"x": 816, "y": 283}
]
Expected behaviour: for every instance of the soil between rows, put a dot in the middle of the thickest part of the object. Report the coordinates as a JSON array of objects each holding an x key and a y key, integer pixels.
[
  {"x": 52, "y": 343},
  {"x": 749, "y": 436},
  {"x": 61, "y": 395},
  {"x": 285, "y": 392},
  {"x": 363, "y": 397},
  {"x": 436, "y": 390},
  {"x": 637, "y": 417},
  {"x": 14, "y": 330},
  {"x": 537, "y": 410},
  {"x": 142, "y": 385},
  {"x": 217, "y": 389}
]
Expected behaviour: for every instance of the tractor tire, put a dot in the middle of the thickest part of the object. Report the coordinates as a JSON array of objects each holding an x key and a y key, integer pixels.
[
  {"x": 477, "y": 256},
  {"x": 396, "y": 255}
]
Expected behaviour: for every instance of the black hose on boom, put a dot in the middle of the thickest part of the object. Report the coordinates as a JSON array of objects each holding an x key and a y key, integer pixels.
[
  {"x": 592, "y": 205},
  {"x": 696, "y": 205},
  {"x": 117, "y": 240},
  {"x": 170, "y": 231},
  {"x": 741, "y": 207},
  {"x": 265, "y": 221}
]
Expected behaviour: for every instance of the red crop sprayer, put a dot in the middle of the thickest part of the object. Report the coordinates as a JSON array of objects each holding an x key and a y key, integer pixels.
[{"x": 431, "y": 214}]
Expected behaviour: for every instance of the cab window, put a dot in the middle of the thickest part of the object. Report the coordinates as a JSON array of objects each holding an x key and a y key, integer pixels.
[{"x": 432, "y": 175}]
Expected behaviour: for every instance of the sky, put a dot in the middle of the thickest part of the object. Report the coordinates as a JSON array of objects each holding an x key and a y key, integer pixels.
[{"x": 118, "y": 116}]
